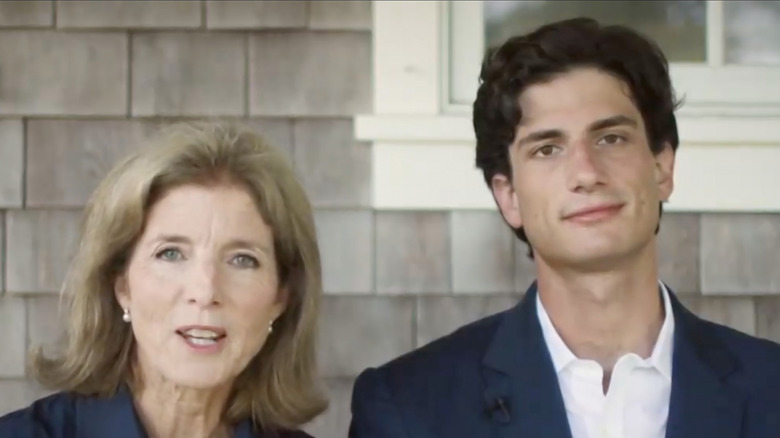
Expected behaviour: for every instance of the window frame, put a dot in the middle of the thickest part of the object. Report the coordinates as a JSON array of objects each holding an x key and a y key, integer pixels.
[
  {"x": 711, "y": 89},
  {"x": 725, "y": 163}
]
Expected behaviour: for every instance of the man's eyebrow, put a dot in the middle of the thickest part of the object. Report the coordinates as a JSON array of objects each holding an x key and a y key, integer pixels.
[
  {"x": 550, "y": 134},
  {"x": 547, "y": 134},
  {"x": 610, "y": 122}
]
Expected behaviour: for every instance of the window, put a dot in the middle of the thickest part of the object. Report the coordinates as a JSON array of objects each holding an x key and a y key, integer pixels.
[
  {"x": 725, "y": 59},
  {"x": 724, "y": 55}
]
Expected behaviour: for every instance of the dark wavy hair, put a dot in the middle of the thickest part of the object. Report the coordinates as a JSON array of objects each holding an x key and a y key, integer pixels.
[{"x": 559, "y": 47}]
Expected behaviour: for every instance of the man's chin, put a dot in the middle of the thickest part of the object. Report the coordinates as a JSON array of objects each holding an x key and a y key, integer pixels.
[{"x": 590, "y": 258}]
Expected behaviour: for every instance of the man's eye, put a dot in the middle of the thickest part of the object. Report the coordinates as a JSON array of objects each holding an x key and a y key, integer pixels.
[
  {"x": 612, "y": 139},
  {"x": 545, "y": 151}
]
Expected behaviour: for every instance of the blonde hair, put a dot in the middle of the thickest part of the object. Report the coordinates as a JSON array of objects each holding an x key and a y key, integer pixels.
[{"x": 278, "y": 389}]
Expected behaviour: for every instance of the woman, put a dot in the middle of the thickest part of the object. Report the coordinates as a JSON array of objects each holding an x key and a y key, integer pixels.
[{"x": 193, "y": 299}]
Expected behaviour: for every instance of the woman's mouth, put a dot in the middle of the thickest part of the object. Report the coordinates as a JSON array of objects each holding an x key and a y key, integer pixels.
[{"x": 202, "y": 339}]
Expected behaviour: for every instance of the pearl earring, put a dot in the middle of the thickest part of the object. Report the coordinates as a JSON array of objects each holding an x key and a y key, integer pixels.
[
  {"x": 126, "y": 315},
  {"x": 271, "y": 327}
]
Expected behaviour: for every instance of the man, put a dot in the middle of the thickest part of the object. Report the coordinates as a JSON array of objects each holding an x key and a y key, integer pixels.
[{"x": 576, "y": 136}]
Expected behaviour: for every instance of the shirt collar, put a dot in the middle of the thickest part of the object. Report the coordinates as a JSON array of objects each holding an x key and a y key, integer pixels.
[{"x": 660, "y": 358}]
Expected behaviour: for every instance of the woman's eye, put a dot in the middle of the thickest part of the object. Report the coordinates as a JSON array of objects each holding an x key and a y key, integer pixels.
[
  {"x": 246, "y": 261},
  {"x": 170, "y": 254}
]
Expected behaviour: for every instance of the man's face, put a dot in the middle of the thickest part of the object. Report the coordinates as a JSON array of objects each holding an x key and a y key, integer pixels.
[{"x": 585, "y": 185}]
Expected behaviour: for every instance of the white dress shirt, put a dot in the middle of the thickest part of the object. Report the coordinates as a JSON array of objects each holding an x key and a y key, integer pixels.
[{"x": 637, "y": 402}]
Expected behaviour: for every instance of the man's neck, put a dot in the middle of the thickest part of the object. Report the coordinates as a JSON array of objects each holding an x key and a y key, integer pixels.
[{"x": 602, "y": 316}]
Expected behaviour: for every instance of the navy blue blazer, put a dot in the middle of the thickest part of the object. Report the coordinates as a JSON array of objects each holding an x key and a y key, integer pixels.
[
  {"x": 63, "y": 415},
  {"x": 494, "y": 378}
]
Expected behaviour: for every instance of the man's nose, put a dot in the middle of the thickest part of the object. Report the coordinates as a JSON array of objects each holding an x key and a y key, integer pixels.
[{"x": 585, "y": 168}]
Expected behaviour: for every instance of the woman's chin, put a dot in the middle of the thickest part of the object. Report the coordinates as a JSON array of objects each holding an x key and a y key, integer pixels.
[{"x": 200, "y": 376}]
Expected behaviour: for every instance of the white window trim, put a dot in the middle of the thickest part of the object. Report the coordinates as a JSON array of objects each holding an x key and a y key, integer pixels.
[
  {"x": 423, "y": 148},
  {"x": 712, "y": 89}
]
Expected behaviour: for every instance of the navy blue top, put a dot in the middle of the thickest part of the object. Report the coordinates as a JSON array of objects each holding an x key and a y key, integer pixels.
[
  {"x": 495, "y": 378},
  {"x": 64, "y": 415}
]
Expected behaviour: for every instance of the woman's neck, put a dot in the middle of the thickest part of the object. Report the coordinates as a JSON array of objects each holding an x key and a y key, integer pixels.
[{"x": 169, "y": 410}]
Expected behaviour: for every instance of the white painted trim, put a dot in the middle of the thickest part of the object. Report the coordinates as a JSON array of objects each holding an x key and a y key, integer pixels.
[
  {"x": 710, "y": 131},
  {"x": 406, "y": 53},
  {"x": 429, "y": 176},
  {"x": 413, "y": 128},
  {"x": 726, "y": 85},
  {"x": 423, "y": 141},
  {"x": 712, "y": 89},
  {"x": 463, "y": 40},
  {"x": 716, "y": 31},
  {"x": 426, "y": 61}
]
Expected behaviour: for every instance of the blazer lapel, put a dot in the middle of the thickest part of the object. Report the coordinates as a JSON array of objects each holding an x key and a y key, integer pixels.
[
  {"x": 701, "y": 402},
  {"x": 522, "y": 396},
  {"x": 523, "y": 399}
]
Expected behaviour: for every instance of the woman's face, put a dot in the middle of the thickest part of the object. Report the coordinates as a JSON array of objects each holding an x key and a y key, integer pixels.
[{"x": 201, "y": 286}]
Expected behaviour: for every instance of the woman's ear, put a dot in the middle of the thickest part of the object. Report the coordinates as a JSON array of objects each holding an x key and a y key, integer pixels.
[
  {"x": 122, "y": 292},
  {"x": 282, "y": 299}
]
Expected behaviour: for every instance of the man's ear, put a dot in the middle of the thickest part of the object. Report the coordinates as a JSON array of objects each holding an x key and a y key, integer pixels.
[
  {"x": 664, "y": 171},
  {"x": 506, "y": 199}
]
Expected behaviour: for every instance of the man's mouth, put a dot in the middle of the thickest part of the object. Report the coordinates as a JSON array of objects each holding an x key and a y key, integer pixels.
[{"x": 594, "y": 213}]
